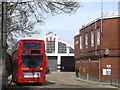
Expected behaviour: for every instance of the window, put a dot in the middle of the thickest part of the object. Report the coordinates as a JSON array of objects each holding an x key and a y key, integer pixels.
[
  {"x": 92, "y": 38},
  {"x": 50, "y": 47},
  {"x": 61, "y": 47},
  {"x": 29, "y": 45},
  {"x": 86, "y": 40},
  {"x": 98, "y": 36},
  {"x": 71, "y": 50},
  {"x": 76, "y": 42},
  {"x": 32, "y": 61},
  {"x": 80, "y": 42}
]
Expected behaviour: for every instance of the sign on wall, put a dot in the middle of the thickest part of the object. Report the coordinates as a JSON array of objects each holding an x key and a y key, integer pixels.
[
  {"x": 108, "y": 66},
  {"x": 83, "y": 69},
  {"x": 106, "y": 71}
]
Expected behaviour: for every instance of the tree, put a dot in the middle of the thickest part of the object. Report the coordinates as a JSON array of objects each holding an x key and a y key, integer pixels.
[
  {"x": 21, "y": 19},
  {"x": 29, "y": 13}
]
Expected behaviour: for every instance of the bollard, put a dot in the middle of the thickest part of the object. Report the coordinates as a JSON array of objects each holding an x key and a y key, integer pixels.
[{"x": 111, "y": 82}]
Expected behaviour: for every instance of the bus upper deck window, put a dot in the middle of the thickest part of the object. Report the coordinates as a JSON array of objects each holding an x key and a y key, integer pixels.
[
  {"x": 35, "y": 52},
  {"x": 25, "y": 51},
  {"x": 32, "y": 45}
]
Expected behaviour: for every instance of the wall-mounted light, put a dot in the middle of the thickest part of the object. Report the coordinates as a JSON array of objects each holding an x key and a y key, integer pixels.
[{"x": 106, "y": 51}]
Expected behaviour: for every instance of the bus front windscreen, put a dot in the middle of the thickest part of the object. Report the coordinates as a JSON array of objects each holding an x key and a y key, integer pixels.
[
  {"x": 32, "y": 61},
  {"x": 30, "y": 45}
]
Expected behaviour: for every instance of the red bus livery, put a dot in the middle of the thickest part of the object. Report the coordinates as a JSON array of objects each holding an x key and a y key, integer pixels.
[{"x": 29, "y": 61}]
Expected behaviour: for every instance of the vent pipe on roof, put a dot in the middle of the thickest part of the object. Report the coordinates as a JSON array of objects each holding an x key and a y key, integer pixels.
[{"x": 101, "y": 16}]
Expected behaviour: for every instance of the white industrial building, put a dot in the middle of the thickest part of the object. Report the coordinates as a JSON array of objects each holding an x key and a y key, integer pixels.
[{"x": 60, "y": 54}]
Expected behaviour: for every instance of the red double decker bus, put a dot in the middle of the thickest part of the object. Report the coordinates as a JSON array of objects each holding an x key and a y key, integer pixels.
[{"x": 29, "y": 61}]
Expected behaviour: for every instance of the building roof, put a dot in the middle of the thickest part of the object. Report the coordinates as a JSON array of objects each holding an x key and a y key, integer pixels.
[{"x": 98, "y": 19}]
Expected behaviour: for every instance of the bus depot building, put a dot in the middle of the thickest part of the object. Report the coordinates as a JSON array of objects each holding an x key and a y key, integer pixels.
[
  {"x": 60, "y": 53},
  {"x": 97, "y": 51}
]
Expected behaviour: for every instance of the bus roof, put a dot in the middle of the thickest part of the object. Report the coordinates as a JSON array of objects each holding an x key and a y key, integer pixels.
[{"x": 31, "y": 40}]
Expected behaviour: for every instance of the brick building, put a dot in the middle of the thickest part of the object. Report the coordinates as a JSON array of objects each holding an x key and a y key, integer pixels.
[{"x": 97, "y": 50}]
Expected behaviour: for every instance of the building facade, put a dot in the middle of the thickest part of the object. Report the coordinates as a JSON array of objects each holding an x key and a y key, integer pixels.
[
  {"x": 97, "y": 50},
  {"x": 60, "y": 54}
]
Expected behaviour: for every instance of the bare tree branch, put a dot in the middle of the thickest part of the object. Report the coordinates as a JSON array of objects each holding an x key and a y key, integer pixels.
[{"x": 27, "y": 14}]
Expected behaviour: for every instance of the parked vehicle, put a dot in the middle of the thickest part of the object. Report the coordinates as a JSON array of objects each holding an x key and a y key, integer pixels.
[{"x": 29, "y": 61}]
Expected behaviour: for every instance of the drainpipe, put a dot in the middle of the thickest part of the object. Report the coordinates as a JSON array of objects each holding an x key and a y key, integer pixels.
[{"x": 99, "y": 69}]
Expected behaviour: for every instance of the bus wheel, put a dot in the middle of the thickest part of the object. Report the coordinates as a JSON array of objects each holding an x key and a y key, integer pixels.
[{"x": 18, "y": 84}]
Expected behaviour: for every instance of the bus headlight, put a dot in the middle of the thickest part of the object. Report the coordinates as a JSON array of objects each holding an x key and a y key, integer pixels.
[
  {"x": 41, "y": 68},
  {"x": 24, "y": 69}
]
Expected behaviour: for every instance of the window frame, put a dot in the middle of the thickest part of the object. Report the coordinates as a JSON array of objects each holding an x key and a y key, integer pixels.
[
  {"x": 92, "y": 38},
  {"x": 86, "y": 40},
  {"x": 98, "y": 36},
  {"x": 80, "y": 41}
]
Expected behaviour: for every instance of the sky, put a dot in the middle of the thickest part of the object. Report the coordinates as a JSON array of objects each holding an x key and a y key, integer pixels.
[{"x": 67, "y": 26}]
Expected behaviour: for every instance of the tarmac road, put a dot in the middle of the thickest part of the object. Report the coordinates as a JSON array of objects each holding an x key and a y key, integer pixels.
[{"x": 63, "y": 81}]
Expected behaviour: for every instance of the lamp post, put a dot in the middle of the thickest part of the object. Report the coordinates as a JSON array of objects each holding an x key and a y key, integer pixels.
[
  {"x": 101, "y": 16},
  {"x": 101, "y": 34},
  {"x": 0, "y": 47},
  {"x": 3, "y": 44}
]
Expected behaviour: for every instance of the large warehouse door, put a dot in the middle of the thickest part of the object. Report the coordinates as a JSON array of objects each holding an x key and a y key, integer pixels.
[
  {"x": 67, "y": 63},
  {"x": 52, "y": 62}
]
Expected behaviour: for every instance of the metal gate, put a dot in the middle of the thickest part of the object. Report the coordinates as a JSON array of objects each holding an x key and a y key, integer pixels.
[
  {"x": 67, "y": 63},
  {"x": 52, "y": 62}
]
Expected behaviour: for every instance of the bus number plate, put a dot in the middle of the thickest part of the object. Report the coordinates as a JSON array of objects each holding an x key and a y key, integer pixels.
[{"x": 32, "y": 74}]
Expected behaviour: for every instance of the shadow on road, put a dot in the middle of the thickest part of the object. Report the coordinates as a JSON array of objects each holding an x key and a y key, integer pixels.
[
  {"x": 28, "y": 86},
  {"x": 48, "y": 83},
  {"x": 37, "y": 84}
]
